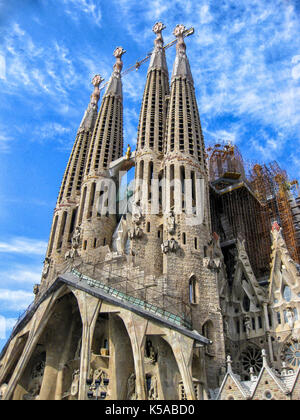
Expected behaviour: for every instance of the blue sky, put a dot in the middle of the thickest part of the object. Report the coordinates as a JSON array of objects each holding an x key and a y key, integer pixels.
[{"x": 245, "y": 59}]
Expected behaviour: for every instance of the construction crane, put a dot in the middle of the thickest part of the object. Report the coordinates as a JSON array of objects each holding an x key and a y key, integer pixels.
[{"x": 138, "y": 64}]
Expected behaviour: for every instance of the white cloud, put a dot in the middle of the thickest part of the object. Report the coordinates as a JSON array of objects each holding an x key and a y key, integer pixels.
[
  {"x": 89, "y": 7},
  {"x": 205, "y": 16},
  {"x": 14, "y": 300},
  {"x": 23, "y": 246},
  {"x": 2, "y": 67},
  {"x": 21, "y": 274}
]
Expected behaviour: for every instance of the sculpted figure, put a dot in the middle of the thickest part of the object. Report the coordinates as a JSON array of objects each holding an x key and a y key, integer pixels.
[
  {"x": 153, "y": 393},
  {"x": 247, "y": 324},
  {"x": 290, "y": 317},
  {"x": 131, "y": 394},
  {"x": 3, "y": 389},
  {"x": 171, "y": 223},
  {"x": 165, "y": 247},
  {"x": 136, "y": 213},
  {"x": 76, "y": 238},
  {"x": 46, "y": 267},
  {"x": 75, "y": 383},
  {"x": 173, "y": 244}
]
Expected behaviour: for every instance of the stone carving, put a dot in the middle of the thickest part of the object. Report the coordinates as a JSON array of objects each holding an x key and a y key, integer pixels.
[
  {"x": 131, "y": 392},
  {"x": 3, "y": 389},
  {"x": 46, "y": 267},
  {"x": 179, "y": 30},
  {"x": 150, "y": 353},
  {"x": 247, "y": 324},
  {"x": 135, "y": 232},
  {"x": 36, "y": 381},
  {"x": 119, "y": 51},
  {"x": 169, "y": 246},
  {"x": 75, "y": 383},
  {"x": 76, "y": 238},
  {"x": 153, "y": 392},
  {"x": 72, "y": 253},
  {"x": 290, "y": 316},
  {"x": 96, "y": 82},
  {"x": 215, "y": 257},
  {"x": 120, "y": 237},
  {"x": 158, "y": 27},
  {"x": 171, "y": 223},
  {"x": 136, "y": 213},
  {"x": 36, "y": 289}
]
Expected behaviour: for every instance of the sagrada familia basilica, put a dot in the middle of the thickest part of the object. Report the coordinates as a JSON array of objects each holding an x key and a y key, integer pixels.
[{"x": 184, "y": 287}]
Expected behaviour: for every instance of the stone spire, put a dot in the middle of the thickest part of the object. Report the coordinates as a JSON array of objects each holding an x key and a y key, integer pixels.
[
  {"x": 73, "y": 176},
  {"x": 154, "y": 108},
  {"x": 158, "y": 57},
  {"x": 184, "y": 133},
  {"x": 65, "y": 213},
  {"x": 151, "y": 134},
  {"x": 181, "y": 65},
  {"x": 107, "y": 140}
]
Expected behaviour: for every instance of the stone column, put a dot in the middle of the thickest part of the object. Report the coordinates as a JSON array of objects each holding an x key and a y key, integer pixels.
[
  {"x": 89, "y": 307},
  {"x": 38, "y": 324},
  {"x": 136, "y": 327},
  {"x": 183, "y": 351}
]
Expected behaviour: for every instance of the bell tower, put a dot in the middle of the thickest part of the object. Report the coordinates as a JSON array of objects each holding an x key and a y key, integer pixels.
[
  {"x": 147, "y": 232},
  {"x": 66, "y": 210},
  {"x": 96, "y": 220}
]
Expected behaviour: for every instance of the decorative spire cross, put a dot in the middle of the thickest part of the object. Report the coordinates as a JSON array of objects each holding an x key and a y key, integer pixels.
[
  {"x": 96, "y": 82},
  {"x": 179, "y": 33},
  {"x": 157, "y": 29},
  {"x": 118, "y": 66}
]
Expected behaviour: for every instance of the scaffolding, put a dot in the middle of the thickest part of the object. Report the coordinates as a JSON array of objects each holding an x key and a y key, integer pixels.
[
  {"x": 236, "y": 211},
  {"x": 225, "y": 161},
  {"x": 280, "y": 200}
]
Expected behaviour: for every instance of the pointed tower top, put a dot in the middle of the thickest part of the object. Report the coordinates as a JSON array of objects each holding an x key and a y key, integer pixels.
[
  {"x": 158, "y": 57},
  {"x": 90, "y": 115},
  {"x": 181, "y": 65},
  {"x": 114, "y": 87}
]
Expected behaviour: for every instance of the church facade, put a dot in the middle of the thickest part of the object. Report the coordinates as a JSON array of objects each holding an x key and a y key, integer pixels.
[{"x": 150, "y": 295}]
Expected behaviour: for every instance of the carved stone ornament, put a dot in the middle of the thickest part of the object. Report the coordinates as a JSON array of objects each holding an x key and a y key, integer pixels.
[
  {"x": 136, "y": 213},
  {"x": 179, "y": 30},
  {"x": 131, "y": 393},
  {"x": 171, "y": 223},
  {"x": 97, "y": 80},
  {"x": 135, "y": 233},
  {"x": 75, "y": 383},
  {"x": 119, "y": 51},
  {"x": 290, "y": 316},
  {"x": 158, "y": 27},
  {"x": 36, "y": 289},
  {"x": 46, "y": 267},
  {"x": 169, "y": 246},
  {"x": 153, "y": 392}
]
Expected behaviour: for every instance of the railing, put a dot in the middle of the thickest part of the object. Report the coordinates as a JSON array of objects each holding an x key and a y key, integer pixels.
[{"x": 140, "y": 303}]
